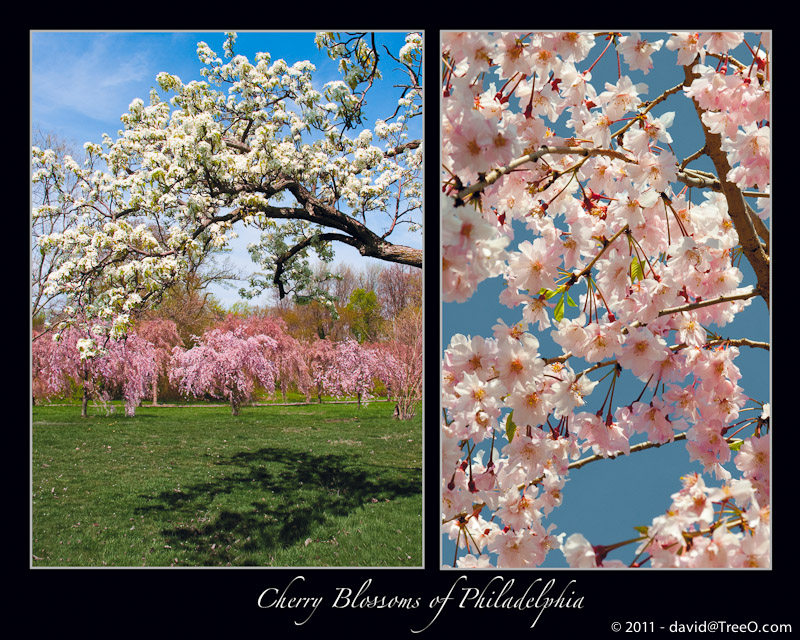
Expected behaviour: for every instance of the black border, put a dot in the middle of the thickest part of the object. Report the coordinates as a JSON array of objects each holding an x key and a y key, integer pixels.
[{"x": 207, "y": 601}]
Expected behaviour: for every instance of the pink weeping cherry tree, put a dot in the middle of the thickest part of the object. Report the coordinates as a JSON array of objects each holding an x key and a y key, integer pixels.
[
  {"x": 124, "y": 367},
  {"x": 226, "y": 365},
  {"x": 401, "y": 359},
  {"x": 291, "y": 366},
  {"x": 319, "y": 357},
  {"x": 131, "y": 369},
  {"x": 352, "y": 371},
  {"x": 163, "y": 335}
]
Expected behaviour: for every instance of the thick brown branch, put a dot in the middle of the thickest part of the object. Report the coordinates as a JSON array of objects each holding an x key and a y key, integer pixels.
[
  {"x": 236, "y": 144},
  {"x": 705, "y": 180},
  {"x": 313, "y": 209},
  {"x": 413, "y": 144},
  {"x": 737, "y": 209},
  {"x": 367, "y": 242},
  {"x": 760, "y": 227}
]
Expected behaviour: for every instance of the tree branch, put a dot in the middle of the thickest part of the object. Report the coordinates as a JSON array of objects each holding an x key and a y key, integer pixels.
[
  {"x": 690, "y": 177},
  {"x": 317, "y": 211},
  {"x": 413, "y": 144},
  {"x": 648, "y": 106},
  {"x": 760, "y": 227},
  {"x": 737, "y": 210},
  {"x": 705, "y": 180},
  {"x": 642, "y": 446},
  {"x": 367, "y": 242},
  {"x": 492, "y": 177},
  {"x": 739, "y": 342},
  {"x": 692, "y": 157},
  {"x": 280, "y": 263},
  {"x": 708, "y": 303}
]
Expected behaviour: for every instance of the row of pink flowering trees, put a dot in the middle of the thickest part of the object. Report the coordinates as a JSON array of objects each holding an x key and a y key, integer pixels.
[{"x": 230, "y": 362}]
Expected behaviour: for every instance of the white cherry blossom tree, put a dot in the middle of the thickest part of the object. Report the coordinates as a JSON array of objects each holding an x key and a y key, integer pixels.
[{"x": 255, "y": 143}]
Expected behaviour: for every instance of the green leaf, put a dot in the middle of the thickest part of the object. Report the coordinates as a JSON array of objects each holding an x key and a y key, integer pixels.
[
  {"x": 642, "y": 529},
  {"x": 558, "y": 312},
  {"x": 735, "y": 445},
  {"x": 511, "y": 428},
  {"x": 549, "y": 293},
  {"x": 637, "y": 272},
  {"x": 570, "y": 301}
]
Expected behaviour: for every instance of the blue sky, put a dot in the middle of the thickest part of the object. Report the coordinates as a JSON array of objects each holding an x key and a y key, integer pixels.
[
  {"x": 81, "y": 82},
  {"x": 605, "y": 500}
]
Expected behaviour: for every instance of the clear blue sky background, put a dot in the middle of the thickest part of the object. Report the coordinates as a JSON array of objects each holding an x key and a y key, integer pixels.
[
  {"x": 81, "y": 82},
  {"x": 605, "y": 500}
]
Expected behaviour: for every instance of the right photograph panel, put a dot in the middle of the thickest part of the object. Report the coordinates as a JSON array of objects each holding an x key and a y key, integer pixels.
[{"x": 605, "y": 245}]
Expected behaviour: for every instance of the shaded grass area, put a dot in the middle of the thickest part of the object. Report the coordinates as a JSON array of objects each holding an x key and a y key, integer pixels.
[{"x": 312, "y": 485}]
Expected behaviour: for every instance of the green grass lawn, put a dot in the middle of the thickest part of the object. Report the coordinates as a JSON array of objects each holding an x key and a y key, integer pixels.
[{"x": 310, "y": 485}]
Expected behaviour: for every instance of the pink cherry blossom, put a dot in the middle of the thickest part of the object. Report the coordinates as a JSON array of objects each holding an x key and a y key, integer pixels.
[
  {"x": 529, "y": 403},
  {"x": 648, "y": 264},
  {"x": 573, "y": 46},
  {"x": 653, "y": 419},
  {"x": 535, "y": 266},
  {"x": 570, "y": 392},
  {"x": 707, "y": 445},
  {"x": 719, "y": 41},
  {"x": 602, "y": 438},
  {"x": 512, "y": 54},
  {"x": 621, "y": 97},
  {"x": 603, "y": 341},
  {"x": 750, "y": 150},
  {"x": 687, "y": 44},
  {"x": 643, "y": 351},
  {"x": 637, "y": 52},
  {"x": 579, "y": 552},
  {"x": 754, "y": 457},
  {"x": 472, "y": 136}
]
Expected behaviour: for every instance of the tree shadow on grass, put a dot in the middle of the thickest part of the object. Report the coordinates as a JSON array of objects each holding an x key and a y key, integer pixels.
[{"x": 284, "y": 495}]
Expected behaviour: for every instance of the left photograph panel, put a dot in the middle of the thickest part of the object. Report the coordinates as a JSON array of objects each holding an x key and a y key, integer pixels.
[{"x": 226, "y": 299}]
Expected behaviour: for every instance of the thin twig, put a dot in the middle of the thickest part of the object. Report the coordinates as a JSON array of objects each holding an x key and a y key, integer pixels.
[
  {"x": 492, "y": 177},
  {"x": 739, "y": 342},
  {"x": 648, "y": 106},
  {"x": 577, "y": 465},
  {"x": 642, "y": 446},
  {"x": 706, "y": 303},
  {"x": 692, "y": 157}
]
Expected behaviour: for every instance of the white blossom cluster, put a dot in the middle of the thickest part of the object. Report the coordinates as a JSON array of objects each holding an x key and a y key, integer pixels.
[{"x": 183, "y": 171}]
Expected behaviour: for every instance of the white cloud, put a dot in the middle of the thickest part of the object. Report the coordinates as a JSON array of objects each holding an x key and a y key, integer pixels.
[{"x": 95, "y": 75}]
